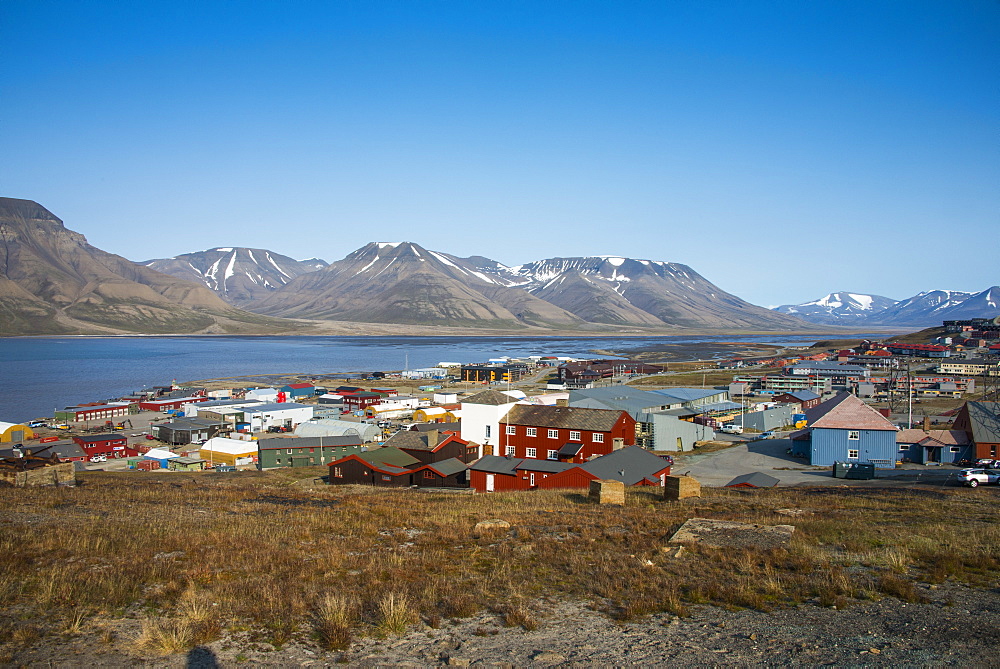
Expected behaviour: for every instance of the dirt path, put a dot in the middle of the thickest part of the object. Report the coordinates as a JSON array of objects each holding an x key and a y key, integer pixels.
[{"x": 955, "y": 627}]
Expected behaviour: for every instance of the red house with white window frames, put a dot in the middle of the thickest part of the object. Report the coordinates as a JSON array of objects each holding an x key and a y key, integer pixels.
[
  {"x": 541, "y": 432},
  {"x": 108, "y": 445}
]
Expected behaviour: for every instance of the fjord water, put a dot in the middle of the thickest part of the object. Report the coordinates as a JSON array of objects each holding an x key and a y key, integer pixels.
[{"x": 40, "y": 374}]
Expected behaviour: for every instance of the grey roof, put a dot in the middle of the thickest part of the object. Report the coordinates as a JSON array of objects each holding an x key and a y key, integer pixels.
[
  {"x": 623, "y": 398},
  {"x": 276, "y": 406},
  {"x": 687, "y": 394},
  {"x": 186, "y": 460},
  {"x": 496, "y": 464},
  {"x": 423, "y": 441},
  {"x": 570, "y": 449},
  {"x": 190, "y": 424},
  {"x": 630, "y": 465},
  {"x": 331, "y": 427},
  {"x": 756, "y": 479},
  {"x": 64, "y": 449},
  {"x": 447, "y": 467},
  {"x": 720, "y": 406},
  {"x": 985, "y": 421},
  {"x": 802, "y": 395},
  {"x": 425, "y": 427},
  {"x": 832, "y": 366},
  {"x": 110, "y": 436},
  {"x": 307, "y": 442},
  {"x": 489, "y": 398}
]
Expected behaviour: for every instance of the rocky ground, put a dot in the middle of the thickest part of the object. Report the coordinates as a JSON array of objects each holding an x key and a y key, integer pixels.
[{"x": 956, "y": 626}]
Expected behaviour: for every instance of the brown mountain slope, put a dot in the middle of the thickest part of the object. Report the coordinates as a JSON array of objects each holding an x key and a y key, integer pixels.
[
  {"x": 52, "y": 281},
  {"x": 405, "y": 283}
]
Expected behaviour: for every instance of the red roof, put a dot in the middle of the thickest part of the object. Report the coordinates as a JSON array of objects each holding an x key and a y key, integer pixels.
[{"x": 299, "y": 386}]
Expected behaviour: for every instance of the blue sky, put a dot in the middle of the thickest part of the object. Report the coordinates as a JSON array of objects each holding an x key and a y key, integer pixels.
[{"x": 782, "y": 149}]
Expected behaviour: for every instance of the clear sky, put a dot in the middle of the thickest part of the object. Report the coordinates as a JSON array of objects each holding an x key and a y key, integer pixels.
[{"x": 783, "y": 150}]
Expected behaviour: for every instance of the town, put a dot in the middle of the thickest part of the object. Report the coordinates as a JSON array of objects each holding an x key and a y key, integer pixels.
[{"x": 549, "y": 422}]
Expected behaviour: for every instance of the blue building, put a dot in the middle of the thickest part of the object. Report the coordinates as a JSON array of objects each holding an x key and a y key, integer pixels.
[
  {"x": 923, "y": 446},
  {"x": 845, "y": 429}
]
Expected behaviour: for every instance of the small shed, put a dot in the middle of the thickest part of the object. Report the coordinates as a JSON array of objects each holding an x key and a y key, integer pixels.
[
  {"x": 15, "y": 433},
  {"x": 186, "y": 464},
  {"x": 161, "y": 456},
  {"x": 754, "y": 480}
]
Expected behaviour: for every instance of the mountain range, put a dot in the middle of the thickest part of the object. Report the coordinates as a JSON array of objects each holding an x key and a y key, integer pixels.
[
  {"x": 406, "y": 283},
  {"x": 237, "y": 275},
  {"x": 922, "y": 310},
  {"x": 53, "y": 282}
]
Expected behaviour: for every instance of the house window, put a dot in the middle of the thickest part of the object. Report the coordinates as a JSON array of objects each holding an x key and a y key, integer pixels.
[
  {"x": 277, "y": 460},
  {"x": 574, "y": 435},
  {"x": 288, "y": 451},
  {"x": 509, "y": 450},
  {"x": 598, "y": 438},
  {"x": 854, "y": 435},
  {"x": 553, "y": 434},
  {"x": 531, "y": 432},
  {"x": 428, "y": 474},
  {"x": 553, "y": 455},
  {"x": 386, "y": 477},
  {"x": 954, "y": 449},
  {"x": 852, "y": 454},
  {"x": 904, "y": 447},
  {"x": 511, "y": 429},
  {"x": 530, "y": 453},
  {"x": 489, "y": 430}
]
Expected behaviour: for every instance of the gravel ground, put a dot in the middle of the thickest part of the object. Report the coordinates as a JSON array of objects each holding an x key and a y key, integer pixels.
[{"x": 957, "y": 626}]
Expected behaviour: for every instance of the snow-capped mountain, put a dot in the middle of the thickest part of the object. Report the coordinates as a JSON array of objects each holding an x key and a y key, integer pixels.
[
  {"x": 406, "y": 283},
  {"x": 616, "y": 290},
  {"x": 839, "y": 308},
  {"x": 932, "y": 307},
  {"x": 238, "y": 275},
  {"x": 402, "y": 282},
  {"x": 925, "y": 309}
]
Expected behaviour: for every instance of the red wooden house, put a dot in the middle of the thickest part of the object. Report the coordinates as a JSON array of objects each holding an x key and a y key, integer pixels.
[
  {"x": 570, "y": 434},
  {"x": 631, "y": 465},
  {"x": 495, "y": 473},
  {"x": 108, "y": 445}
]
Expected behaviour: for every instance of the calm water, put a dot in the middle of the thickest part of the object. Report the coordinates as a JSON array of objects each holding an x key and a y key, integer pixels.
[{"x": 38, "y": 375}]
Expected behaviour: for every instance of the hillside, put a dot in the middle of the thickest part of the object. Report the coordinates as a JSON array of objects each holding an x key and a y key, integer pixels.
[{"x": 53, "y": 282}]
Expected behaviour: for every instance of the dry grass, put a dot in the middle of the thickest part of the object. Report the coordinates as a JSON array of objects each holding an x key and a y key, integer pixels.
[{"x": 197, "y": 556}]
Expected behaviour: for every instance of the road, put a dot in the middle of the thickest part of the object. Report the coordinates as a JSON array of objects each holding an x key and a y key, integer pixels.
[{"x": 769, "y": 457}]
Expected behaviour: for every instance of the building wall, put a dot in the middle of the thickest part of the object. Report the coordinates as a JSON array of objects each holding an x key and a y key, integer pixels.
[
  {"x": 624, "y": 429},
  {"x": 355, "y": 470},
  {"x": 501, "y": 482},
  {"x": 832, "y": 445},
  {"x": 270, "y": 458},
  {"x": 480, "y": 419},
  {"x": 769, "y": 419},
  {"x": 668, "y": 429},
  {"x": 574, "y": 478}
]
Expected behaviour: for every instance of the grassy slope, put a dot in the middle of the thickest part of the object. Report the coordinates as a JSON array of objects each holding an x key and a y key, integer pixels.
[{"x": 201, "y": 553}]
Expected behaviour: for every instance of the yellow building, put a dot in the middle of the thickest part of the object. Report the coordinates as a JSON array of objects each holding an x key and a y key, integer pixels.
[
  {"x": 223, "y": 451},
  {"x": 15, "y": 433}
]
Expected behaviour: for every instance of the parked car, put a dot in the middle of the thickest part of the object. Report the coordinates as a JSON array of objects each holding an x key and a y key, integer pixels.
[
  {"x": 976, "y": 477},
  {"x": 765, "y": 435},
  {"x": 732, "y": 429},
  {"x": 98, "y": 458},
  {"x": 37, "y": 423},
  {"x": 987, "y": 463}
]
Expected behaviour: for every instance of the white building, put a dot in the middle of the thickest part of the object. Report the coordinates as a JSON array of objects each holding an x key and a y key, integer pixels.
[
  {"x": 282, "y": 414},
  {"x": 262, "y": 394},
  {"x": 481, "y": 414}
]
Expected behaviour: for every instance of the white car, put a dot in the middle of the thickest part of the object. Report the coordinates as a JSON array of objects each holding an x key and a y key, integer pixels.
[{"x": 975, "y": 477}]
